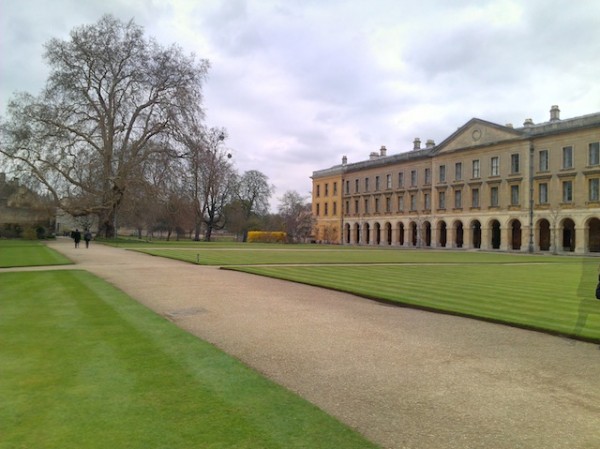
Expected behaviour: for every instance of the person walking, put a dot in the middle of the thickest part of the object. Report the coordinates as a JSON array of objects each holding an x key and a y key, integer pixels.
[
  {"x": 77, "y": 237},
  {"x": 87, "y": 237}
]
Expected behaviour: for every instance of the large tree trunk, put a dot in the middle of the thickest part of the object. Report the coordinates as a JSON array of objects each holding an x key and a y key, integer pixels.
[
  {"x": 208, "y": 234},
  {"x": 197, "y": 229},
  {"x": 106, "y": 224}
]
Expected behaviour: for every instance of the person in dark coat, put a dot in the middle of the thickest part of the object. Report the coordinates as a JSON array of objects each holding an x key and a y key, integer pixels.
[
  {"x": 87, "y": 236},
  {"x": 77, "y": 237}
]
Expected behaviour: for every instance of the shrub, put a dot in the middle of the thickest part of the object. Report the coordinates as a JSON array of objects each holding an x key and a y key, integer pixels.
[
  {"x": 266, "y": 237},
  {"x": 29, "y": 234}
]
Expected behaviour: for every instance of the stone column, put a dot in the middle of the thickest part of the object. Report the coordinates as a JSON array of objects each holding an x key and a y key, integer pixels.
[
  {"x": 486, "y": 238},
  {"x": 580, "y": 240}
]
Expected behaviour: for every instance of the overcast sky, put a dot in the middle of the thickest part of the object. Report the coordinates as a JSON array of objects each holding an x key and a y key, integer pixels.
[{"x": 300, "y": 83}]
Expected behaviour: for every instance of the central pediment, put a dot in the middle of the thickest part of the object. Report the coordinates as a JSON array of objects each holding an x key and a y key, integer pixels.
[{"x": 477, "y": 132}]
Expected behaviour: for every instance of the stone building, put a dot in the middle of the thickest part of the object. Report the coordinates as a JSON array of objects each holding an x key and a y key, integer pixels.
[
  {"x": 20, "y": 208},
  {"x": 486, "y": 186}
]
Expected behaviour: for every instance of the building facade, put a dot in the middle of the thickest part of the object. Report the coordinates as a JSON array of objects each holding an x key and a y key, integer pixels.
[
  {"x": 487, "y": 186},
  {"x": 327, "y": 206}
]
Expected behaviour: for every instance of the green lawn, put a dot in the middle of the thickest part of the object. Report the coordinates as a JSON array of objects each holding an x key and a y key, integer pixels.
[
  {"x": 555, "y": 297},
  {"x": 22, "y": 253},
  {"x": 250, "y": 254},
  {"x": 84, "y": 366},
  {"x": 543, "y": 292}
]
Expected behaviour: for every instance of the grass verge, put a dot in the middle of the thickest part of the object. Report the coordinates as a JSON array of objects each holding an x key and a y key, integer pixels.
[
  {"x": 83, "y": 365},
  {"x": 541, "y": 292},
  {"x": 23, "y": 253},
  {"x": 553, "y": 297}
]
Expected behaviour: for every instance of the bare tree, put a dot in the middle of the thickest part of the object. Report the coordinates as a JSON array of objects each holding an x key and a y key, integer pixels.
[
  {"x": 108, "y": 106},
  {"x": 297, "y": 217},
  {"x": 253, "y": 194},
  {"x": 219, "y": 182}
]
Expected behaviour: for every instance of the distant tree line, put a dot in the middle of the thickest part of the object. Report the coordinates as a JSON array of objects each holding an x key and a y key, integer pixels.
[{"x": 118, "y": 132}]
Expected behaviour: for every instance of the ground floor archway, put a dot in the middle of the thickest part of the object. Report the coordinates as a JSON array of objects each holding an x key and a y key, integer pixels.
[
  {"x": 443, "y": 234},
  {"x": 459, "y": 234},
  {"x": 401, "y": 234},
  {"x": 593, "y": 226},
  {"x": 496, "y": 235},
  {"x": 544, "y": 241},
  {"x": 568, "y": 235},
  {"x": 515, "y": 235},
  {"x": 476, "y": 237},
  {"x": 414, "y": 233},
  {"x": 427, "y": 232}
]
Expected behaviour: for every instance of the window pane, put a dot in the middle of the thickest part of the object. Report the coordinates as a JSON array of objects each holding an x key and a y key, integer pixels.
[
  {"x": 458, "y": 171},
  {"x": 594, "y": 189},
  {"x": 594, "y": 153},
  {"x": 475, "y": 194},
  {"x": 543, "y": 160},
  {"x": 495, "y": 166},
  {"x": 476, "y": 168},
  {"x": 567, "y": 191},
  {"x": 567, "y": 157},
  {"x": 514, "y": 195},
  {"x": 514, "y": 163},
  {"x": 413, "y": 178},
  {"x": 494, "y": 196},
  {"x": 543, "y": 199}
]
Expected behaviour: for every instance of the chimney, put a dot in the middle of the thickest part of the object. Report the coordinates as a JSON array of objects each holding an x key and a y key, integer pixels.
[
  {"x": 374, "y": 155},
  {"x": 344, "y": 160},
  {"x": 509, "y": 125},
  {"x": 417, "y": 144},
  {"x": 430, "y": 143},
  {"x": 528, "y": 123},
  {"x": 554, "y": 113},
  {"x": 383, "y": 151}
]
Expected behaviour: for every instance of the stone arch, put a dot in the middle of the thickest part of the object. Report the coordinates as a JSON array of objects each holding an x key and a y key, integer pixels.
[
  {"x": 388, "y": 232},
  {"x": 401, "y": 234},
  {"x": 496, "y": 235},
  {"x": 427, "y": 233},
  {"x": 414, "y": 233},
  {"x": 593, "y": 234},
  {"x": 568, "y": 235},
  {"x": 515, "y": 234},
  {"x": 357, "y": 233},
  {"x": 367, "y": 234},
  {"x": 377, "y": 236},
  {"x": 544, "y": 235},
  {"x": 459, "y": 233},
  {"x": 443, "y": 233}
]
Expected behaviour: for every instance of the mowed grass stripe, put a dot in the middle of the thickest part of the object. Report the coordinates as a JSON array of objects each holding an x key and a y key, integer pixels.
[
  {"x": 84, "y": 366},
  {"x": 23, "y": 253},
  {"x": 249, "y": 255},
  {"x": 553, "y": 297}
]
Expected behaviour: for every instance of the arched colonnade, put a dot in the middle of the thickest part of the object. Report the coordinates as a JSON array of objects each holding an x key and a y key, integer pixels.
[{"x": 493, "y": 234}]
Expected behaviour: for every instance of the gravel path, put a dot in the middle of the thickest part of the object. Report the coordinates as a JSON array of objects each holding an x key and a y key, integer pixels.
[{"x": 404, "y": 378}]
